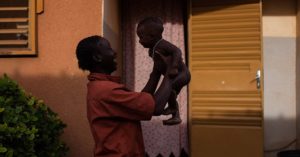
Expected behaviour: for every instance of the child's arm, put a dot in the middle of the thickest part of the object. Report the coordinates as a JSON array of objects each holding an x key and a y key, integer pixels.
[
  {"x": 175, "y": 52},
  {"x": 153, "y": 81}
]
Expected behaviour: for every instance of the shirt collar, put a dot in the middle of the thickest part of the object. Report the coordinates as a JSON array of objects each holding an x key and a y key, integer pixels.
[{"x": 103, "y": 77}]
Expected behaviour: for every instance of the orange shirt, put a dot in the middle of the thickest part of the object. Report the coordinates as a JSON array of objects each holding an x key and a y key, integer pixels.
[{"x": 114, "y": 114}]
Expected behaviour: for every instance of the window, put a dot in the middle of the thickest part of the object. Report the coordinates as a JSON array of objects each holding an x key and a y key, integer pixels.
[{"x": 17, "y": 27}]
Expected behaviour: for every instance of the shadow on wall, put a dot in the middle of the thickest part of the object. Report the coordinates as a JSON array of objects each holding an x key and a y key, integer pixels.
[
  {"x": 280, "y": 135},
  {"x": 287, "y": 8},
  {"x": 65, "y": 95}
]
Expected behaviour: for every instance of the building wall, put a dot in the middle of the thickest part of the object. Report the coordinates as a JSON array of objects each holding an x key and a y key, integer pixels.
[
  {"x": 298, "y": 73},
  {"x": 279, "y": 48},
  {"x": 54, "y": 75},
  {"x": 111, "y": 29}
]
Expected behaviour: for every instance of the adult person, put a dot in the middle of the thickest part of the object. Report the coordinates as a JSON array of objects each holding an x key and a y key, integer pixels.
[{"x": 113, "y": 111}]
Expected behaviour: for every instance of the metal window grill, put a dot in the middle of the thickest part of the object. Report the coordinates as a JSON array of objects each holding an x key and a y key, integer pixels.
[{"x": 17, "y": 27}]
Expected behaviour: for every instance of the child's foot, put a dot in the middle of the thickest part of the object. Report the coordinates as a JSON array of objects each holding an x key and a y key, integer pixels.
[
  {"x": 171, "y": 109},
  {"x": 172, "y": 121},
  {"x": 175, "y": 119}
]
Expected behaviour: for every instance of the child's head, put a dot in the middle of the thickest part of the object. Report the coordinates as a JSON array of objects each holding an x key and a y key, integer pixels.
[
  {"x": 95, "y": 54},
  {"x": 149, "y": 30}
]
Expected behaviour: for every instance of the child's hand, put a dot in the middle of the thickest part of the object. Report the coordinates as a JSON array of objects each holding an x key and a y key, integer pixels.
[{"x": 173, "y": 72}]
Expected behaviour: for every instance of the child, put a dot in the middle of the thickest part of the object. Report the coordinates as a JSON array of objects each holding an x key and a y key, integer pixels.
[{"x": 149, "y": 31}]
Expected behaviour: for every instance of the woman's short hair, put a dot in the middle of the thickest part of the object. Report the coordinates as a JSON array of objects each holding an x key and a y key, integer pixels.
[{"x": 85, "y": 50}]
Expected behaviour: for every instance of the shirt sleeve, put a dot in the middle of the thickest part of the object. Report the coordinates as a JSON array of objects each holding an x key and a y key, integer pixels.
[{"x": 123, "y": 103}]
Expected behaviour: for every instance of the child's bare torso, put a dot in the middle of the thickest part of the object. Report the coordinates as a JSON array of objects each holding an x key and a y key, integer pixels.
[
  {"x": 167, "y": 49},
  {"x": 163, "y": 67},
  {"x": 164, "y": 49}
]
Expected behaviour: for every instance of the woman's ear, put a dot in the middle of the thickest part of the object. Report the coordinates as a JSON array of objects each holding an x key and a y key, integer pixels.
[{"x": 97, "y": 58}]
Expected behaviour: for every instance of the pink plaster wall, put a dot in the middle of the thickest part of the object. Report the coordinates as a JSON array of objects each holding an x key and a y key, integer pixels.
[{"x": 54, "y": 76}]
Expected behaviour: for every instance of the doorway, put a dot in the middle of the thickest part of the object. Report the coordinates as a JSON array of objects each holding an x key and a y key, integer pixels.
[
  {"x": 226, "y": 91},
  {"x": 159, "y": 139}
]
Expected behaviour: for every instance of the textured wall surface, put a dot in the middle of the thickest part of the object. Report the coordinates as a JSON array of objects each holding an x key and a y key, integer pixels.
[
  {"x": 159, "y": 139},
  {"x": 279, "y": 42},
  {"x": 54, "y": 75},
  {"x": 298, "y": 73}
]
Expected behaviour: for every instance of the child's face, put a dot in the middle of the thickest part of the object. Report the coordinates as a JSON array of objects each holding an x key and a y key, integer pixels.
[{"x": 148, "y": 36}]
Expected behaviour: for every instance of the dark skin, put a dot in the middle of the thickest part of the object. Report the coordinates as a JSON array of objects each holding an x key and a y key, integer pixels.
[
  {"x": 106, "y": 64},
  {"x": 151, "y": 38}
]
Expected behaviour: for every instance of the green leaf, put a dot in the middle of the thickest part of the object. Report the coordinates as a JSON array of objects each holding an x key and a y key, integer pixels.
[
  {"x": 34, "y": 118},
  {"x": 19, "y": 109},
  {"x": 2, "y": 109},
  {"x": 2, "y": 149},
  {"x": 10, "y": 153},
  {"x": 3, "y": 127},
  {"x": 31, "y": 137},
  {"x": 31, "y": 102}
]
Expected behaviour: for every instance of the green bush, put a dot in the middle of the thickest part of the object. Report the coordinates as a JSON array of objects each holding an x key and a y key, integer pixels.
[{"x": 28, "y": 128}]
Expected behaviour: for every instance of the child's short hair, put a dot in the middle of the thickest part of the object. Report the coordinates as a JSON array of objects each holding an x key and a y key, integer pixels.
[
  {"x": 85, "y": 50},
  {"x": 155, "y": 21}
]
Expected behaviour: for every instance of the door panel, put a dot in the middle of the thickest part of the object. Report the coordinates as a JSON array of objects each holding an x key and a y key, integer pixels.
[{"x": 225, "y": 110}]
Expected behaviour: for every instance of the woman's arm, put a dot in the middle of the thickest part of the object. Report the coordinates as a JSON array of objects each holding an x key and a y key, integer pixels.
[{"x": 162, "y": 95}]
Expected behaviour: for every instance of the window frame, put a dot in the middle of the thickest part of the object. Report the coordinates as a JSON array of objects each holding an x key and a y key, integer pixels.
[{"x": 31, "y": 50}]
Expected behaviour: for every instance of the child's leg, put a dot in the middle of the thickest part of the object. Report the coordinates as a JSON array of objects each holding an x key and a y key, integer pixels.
[
  {"x": 173, "y": 109},
  {"x": 171, "y": 104}
]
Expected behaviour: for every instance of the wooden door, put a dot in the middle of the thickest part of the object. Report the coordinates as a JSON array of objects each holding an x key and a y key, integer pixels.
[{"x": 225, "y": 111}]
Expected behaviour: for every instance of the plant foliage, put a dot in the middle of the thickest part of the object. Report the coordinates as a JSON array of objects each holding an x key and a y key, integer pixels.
[{"x": 28, "y": 128}]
